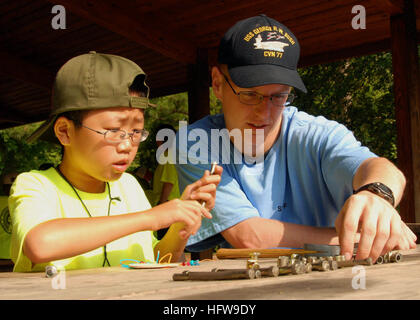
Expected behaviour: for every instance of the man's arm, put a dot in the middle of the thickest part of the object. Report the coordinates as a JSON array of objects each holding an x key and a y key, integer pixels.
[
  {"x": 260, "y": 232},
  {"x": 380, "y": 170},
  {"x": 377, "y": 220}
]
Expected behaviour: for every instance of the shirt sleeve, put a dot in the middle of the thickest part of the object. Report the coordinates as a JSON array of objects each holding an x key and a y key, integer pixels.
[
  {"x": 30, "y": 204},
  {"x": 341, "y": 155}
]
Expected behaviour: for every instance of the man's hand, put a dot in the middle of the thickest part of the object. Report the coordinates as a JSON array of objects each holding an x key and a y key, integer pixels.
[
  {"x": 380, "y": 226},
  {"x": 204, "y": 190},
  {"x": 187, "y": 213}
]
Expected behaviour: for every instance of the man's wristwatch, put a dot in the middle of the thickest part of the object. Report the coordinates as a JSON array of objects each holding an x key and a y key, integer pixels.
[{"x": 379, "y": 189}]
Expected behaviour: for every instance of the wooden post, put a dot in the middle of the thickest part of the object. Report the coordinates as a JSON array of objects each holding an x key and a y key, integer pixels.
[
  {"x": 199, "y": 107},
  {"x": 198, "y": 93},
  {"x": 407, "y": 106}
]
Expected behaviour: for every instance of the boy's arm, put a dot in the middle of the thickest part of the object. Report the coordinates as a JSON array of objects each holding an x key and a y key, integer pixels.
[{"x": 63, "y": 238}]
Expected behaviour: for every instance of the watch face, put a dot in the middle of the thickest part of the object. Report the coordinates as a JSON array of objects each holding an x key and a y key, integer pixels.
[{"x": 382, "y": 191}]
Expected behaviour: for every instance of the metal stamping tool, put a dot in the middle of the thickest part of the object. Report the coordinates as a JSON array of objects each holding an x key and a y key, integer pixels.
[
  {"x": 351, "y": 263},
  {"x": 294, "y": 264},
  {"x": 395, "y": 256},
  {"x": 380, "y": 260},
  {"x": 308, "y": 268},
  {"x": 332, "y": 262},
  {"x": 298, "y": 267},
  {"x": 283, "y": 261},
  {"x": 323, "y": 249},
  {"x": 283, "y": 264},
  {"x": 253, "y": 262},
  {"x": 50, "y": 271},
  {"x": 322, "y": 266},
  {"x": 261, "y": 272},
  {"x": 217, "y": 275},
  {"x": 213, "y": 167}
]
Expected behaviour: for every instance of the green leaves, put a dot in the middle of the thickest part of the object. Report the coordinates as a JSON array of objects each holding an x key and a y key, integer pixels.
[
  {"x": 16, "y": 155},
  {"x": 356, "y": 92}
]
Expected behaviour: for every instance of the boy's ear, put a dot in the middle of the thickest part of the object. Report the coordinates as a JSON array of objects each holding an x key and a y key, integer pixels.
[
  {"x": 217, "y": 82},
  {"x": 62, "y": 127}
]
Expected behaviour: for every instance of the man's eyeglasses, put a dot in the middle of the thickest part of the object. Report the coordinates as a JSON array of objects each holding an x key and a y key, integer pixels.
[
  {"x": 117, "y": 136},
  {"x": 254, "y": 98}
]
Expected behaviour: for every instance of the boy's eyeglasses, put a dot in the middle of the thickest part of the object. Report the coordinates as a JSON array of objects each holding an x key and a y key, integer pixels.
[
  {"x": 117, "y": 136},
  {"x": 254, "y": 98}
]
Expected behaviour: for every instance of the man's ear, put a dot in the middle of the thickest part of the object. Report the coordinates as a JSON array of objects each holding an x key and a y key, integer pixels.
[
  {"x": 62, "y": 129},
  {"x": 217, "y": 82}
]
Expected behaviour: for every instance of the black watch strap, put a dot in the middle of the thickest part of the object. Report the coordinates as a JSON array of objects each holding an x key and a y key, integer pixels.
[{"x": 379, "y": 189}]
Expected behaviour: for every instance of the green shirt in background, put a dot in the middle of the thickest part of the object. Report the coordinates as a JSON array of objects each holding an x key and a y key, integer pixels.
[
  {"x": 164, "y": 173},
  {"x": 5, "y": 228}
]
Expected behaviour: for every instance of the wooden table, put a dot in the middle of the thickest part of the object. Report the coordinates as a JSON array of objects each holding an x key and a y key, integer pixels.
[{"x": 387, "y": 281}]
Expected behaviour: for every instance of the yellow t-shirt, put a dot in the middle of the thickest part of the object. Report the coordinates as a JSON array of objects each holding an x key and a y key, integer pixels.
[
  {"x": 39, "y": 196},
  {"x": 5, "y": 228},
  {"x": 164, "y": 173}
]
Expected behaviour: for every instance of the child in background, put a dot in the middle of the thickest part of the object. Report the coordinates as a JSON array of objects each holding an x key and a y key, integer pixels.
[{"x": 165, "y": 178}]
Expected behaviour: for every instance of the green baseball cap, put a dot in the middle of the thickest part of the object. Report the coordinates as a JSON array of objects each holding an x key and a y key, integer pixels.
[{"x": 92, "y": 81}]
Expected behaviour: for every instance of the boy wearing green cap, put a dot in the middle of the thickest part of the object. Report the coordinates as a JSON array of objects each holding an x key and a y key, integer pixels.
[{"x": 87, "y": 212}]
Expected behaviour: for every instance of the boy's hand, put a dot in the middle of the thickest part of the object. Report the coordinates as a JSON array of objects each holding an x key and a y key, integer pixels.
[{"x": 187, "y": 213}]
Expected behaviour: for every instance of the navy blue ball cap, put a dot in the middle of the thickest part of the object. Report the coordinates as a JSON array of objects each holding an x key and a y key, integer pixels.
[{"x": 260, "y": 51}]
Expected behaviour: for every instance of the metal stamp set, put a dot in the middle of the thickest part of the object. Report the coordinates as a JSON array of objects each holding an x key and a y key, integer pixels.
[{"x": 287, "y": 261}]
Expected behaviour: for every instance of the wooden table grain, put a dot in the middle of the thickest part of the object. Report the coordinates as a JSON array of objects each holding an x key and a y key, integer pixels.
[{"x": 387, "y": 281}]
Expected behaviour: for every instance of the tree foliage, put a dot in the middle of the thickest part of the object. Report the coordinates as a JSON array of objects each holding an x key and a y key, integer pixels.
[
  {"x": 170, "y": 110},
  {"x": 18, "y": 155},
  {"x": 358, "y": 93}
]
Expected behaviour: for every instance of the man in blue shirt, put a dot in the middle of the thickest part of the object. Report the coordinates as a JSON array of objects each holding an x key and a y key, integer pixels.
[{"x": 289, "y": 178}]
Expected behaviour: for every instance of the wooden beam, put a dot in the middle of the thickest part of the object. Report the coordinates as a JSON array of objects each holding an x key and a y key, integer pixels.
[
  {"x": 138, "y": 29},
  {"x": 25, "y": 71},
  {"x": 331, "y": 56},
  {"x": 166, "y": 91},
  {"x": 198, "y": 92},
  {"x": 407, "y": 106},
  {"x": 10, "y": 117},
  {"x": 356, "y": 51},
  {"x": 391, "y": 7}
]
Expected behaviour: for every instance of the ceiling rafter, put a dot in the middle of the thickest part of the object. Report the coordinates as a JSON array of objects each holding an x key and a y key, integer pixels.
[
  {"x": 140, "y": 30},
  {"x": 25, "y": 71},
  {"x": 391, "y": 7},
  {"x": 9, "y": 116}
]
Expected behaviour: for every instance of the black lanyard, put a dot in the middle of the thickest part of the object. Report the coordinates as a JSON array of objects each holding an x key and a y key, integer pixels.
[{"x": 84, "y": 205}]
